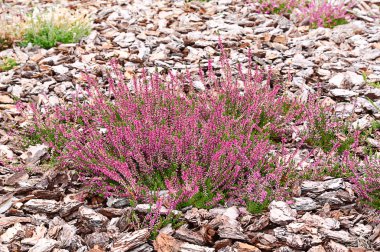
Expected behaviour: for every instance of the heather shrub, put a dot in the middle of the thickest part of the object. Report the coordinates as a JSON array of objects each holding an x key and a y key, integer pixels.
[
  {"x": 317, "y": 13},
  {"x": 325, "y": 13},
  {"x": 226, "y": 145}
]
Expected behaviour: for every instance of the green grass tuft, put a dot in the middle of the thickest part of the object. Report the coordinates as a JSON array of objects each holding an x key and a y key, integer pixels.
[
  {"x": 50, "y": 28},
  {"x": 7, "y": 64}
]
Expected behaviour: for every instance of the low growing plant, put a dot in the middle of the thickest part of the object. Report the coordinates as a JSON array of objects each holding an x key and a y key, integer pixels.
[
  {"x": 7, "y": 64},
  {"x": 44, "y": 28},
  {"x": 375, "y": 84},
  {"x": 12, "y": 27},
  {"x": 318, "y": 13},
  {"x": 326, "y": 13},
  {"x": 47, "y": 28},
  {"x": 227, "y": 144},
  {"x": 277, "y": 6}
]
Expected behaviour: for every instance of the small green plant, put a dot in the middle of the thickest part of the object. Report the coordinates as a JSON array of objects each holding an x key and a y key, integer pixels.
[
  {"x": 374, "y": 201},
  {"x": 372, "y": 84},
  {"x": 7, "y": 64},
  {"x": 324, "y": 136},
  {"x": 330, "y": 23},
  {"x": 374, "y": 104},
  {"x": 256, "y": 207},
  {"x": 46, "y": 29},
  {"x": 203, "y": 199},
  {"x": 321, "y": 13},
  {"x": 375, "y": 126},
  {"x": 162, "y": 222}
]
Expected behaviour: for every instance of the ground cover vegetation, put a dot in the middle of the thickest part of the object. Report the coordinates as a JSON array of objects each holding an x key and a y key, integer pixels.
[
  {"x": 316, "y": 13},
  {"x": 44, "y": 28},
  {"x": 7, "y": 64},
  {"x": 237, "y": 142}
]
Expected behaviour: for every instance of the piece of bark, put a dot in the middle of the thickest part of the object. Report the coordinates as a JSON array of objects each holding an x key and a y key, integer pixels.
[
  {"x": 51, "y": 195},
  {"x": 16, "y": 178},
  {"x": 208, "y": 234},
  {"x": 97, "y": 239},
  {"x": 222, "y": 244},
  {"x": 244, "y": 247},
  {"x": 165, "y": 243},
  {"x": 111, "y": 212},
  {"x": 44, "y": 245},
  {"x": 11, "y": 233},
  {"x": 6, "y": 202},
  {"x": 143, "y": 248},
  {"x": 127, "y": 241},
  {"x": 38, "y": 234},
  {"x": 259, "y": 224},
  {"x": 42, "y": 206},
  {"x": 96, "y": 248},
  {"x": 231, "y": 229},
  {"x": 185, "y": 234},
  {"x": 91, "y": 218},
  {"x": 3, "y": 248},
  {"x": 69, "y": 208},
  {"x": 67, "y": 235},
  {"x": 8, "y": 221}
]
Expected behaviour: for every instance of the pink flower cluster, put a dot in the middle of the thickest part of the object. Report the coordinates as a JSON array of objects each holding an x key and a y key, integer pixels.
[
  {"x": 318, "y": 13},
  {"x": 229, "y": 142},
  {"x": 325, "y": 13}
]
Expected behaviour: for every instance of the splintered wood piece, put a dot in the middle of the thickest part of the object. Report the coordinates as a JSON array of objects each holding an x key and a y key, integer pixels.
[{"x": 127, "y": 241}]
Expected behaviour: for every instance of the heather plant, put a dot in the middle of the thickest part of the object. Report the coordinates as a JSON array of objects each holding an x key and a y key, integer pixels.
[
  {"x": 325, "y": 13},
  {"x": 226, "y": 145},
  {"x": 318, "y": 13}
]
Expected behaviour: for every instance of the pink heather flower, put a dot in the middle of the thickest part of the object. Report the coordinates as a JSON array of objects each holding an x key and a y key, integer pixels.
[{"x": 217, "y": 143}]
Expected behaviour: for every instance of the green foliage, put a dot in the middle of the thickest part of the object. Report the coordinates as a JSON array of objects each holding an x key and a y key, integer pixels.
[
  {"x": 331, "y": 23},
  {"x": 174, "y": 220},
  {"x": 374, "y": 201},
  {"x": 202, "y": 198},
  {"x": 324, "y": 136},
  {"x": 7, "y": 64},
  {"x": 36, "y": 137},
  {"x": 156, "y": 181},
  {"x": 48, "y": 29},
  {"x": 373, "y": 104},
  {"x": 337, "y": 170},
  {"x": 372, "y": 84},
  {"x": 375, "y": 126},
  {"x": 39, "y": 133},
  {"x": 257, "y": 207}
]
